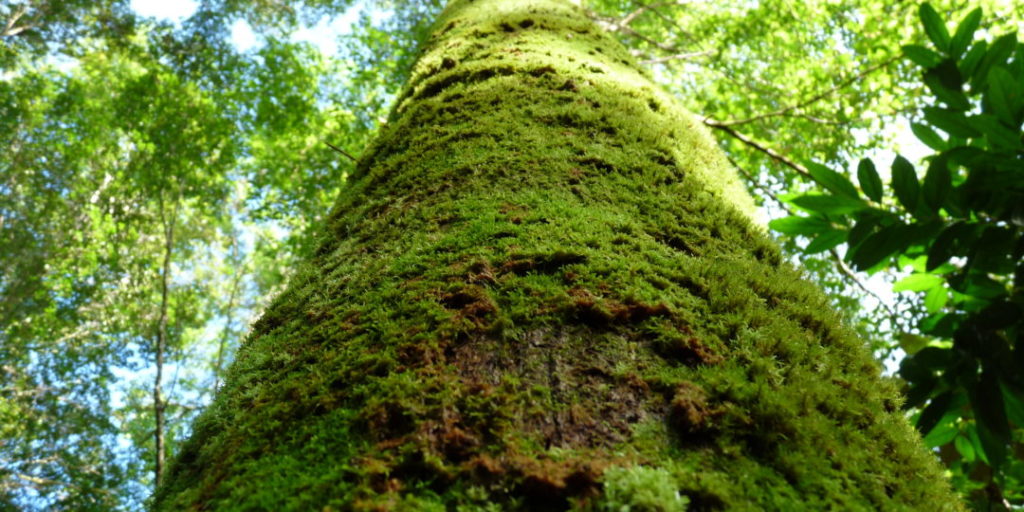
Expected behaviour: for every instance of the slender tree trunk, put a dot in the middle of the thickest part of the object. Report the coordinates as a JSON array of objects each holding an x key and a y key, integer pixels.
[
  {"x": 159, "y": 406},
  {"x": 543, "y": 290}
]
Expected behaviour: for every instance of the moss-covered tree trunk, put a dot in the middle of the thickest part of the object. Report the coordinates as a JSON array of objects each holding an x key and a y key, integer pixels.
[{"x": 543, "y": 290}]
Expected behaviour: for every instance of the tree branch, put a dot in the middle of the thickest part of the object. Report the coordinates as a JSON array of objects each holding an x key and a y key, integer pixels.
[
  {"x": 815, "y": 98},
  {"x": 10, "y": 30},
  {"x": 678, "y": 56},
  {"x": 760, "y": 147},
  {"x": 342, "y": 151}
]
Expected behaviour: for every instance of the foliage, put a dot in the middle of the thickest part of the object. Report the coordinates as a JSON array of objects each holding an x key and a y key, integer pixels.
[
  {"x": 959, "y": 231},
  {"x": 114, "y": 125}
]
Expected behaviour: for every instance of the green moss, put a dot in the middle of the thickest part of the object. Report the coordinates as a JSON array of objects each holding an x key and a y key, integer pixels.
[
  {"x": 640, "y": 489},
  {"x": 544, "y": 270}
]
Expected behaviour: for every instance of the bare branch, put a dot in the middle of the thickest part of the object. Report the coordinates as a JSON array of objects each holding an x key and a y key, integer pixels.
[
  {"x": 342, "y": 151},
  {"x": 678, "y": 56},
  {"x": 758, "y": 146},
  {"x": 815, "y": 98},
  {"x": 626, "y": 20}
]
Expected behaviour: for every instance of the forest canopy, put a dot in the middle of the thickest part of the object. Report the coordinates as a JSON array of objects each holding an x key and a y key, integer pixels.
[{"x": 159, "y": 185}]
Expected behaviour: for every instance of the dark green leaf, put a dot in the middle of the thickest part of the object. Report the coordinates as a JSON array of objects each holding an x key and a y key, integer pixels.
[
  {"x": 1004, "y": 96},
  {"x": 990, "y": 412},
  {"x": 996, "y": 55},
  {"x": 946, "y": 84},
  {"x": 879, "y": 246},
  {"x": 795, "y": 225},
  {"x": 998, "y": 135},
  {"x": 999, "y": 315},
  {"x": 934, "y": 26},
  {"x": 921, "y": 56},
  {"x": 826, "y": 241},
  {"x": 931, "y": 415},
  {"x": 832, "y": 180},
  {"x": 964, "y": 33},
  {"x": 953, "y": 123},
  {"x": 869, "y": 181},
  {"x": 928, "y": 136},
  {"x": 1014, "y": 406},
  {"x": 829, "y": 204},
  {"x": 937, "y": 183},
  {"x": 945, "y": 245},
  {"x": 904, "y": 183},
  {"x": 969, "y": 63},
  {"x": 860, "y": 231}
]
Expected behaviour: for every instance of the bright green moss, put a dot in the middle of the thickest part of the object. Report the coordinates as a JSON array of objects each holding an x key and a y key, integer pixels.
[{"x": 542, "y": 271}]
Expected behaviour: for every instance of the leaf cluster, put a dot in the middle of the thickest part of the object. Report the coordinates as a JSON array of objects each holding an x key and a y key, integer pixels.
[{"x": 959, "y": 225}]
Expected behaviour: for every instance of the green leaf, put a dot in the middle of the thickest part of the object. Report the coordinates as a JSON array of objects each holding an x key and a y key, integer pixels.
[
  {"x": 928, "y": 136},
  {"x": 942, "y": 434},
  {"x": 878, "y": 246},
  {"x": 831, "y": 180},
  {"x": 934, "y": 412},
  {"x": 945, "y": 245},
  {"x": 964, "y": 33},
  {"x": 934, "y": 26},
  {"x": 1014, "y": 406},
  {"x": 998, "y": 135},
  {"x": 965, "y": 448},
  {"x": 937, "y": 183},
  {"x": 969, "y": 63},
  {"x": 990, "y": 412},
  {"x": 904, "y": 183},
  {"x": 921, "y": 56},
  {"x": 869, "y": 181},
  {"x": 946, "y": 84},
  {"x": 911, "y": 344},
  {"x": 996, "y": 55},
  {"x": 1004, "y": 96},
  {"x": 936, "y": 299},
  {"x": 826, "y": 241},
  {"x": 828, "y": 204},
  {"x": 951, "y": 122},
  {"x": 796, "y": 225},
  {"x": 917, "y": 282}
]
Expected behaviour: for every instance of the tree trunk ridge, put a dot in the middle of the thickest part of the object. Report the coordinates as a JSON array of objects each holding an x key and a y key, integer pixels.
[{"x": 543, "y": 290}]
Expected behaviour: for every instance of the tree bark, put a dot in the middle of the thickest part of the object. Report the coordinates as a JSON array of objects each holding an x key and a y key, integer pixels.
[{"x": 541, "y": 290}]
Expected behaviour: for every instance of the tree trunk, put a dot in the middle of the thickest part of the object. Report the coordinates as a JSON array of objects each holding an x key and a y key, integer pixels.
[{"x": 543, "y": 290}]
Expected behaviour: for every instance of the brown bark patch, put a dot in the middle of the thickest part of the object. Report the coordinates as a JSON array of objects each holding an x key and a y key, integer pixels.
[{"x": 689, "y": 410}]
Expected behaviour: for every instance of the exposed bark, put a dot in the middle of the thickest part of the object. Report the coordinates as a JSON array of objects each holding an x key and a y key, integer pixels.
[{"x": 541, "y": 290}]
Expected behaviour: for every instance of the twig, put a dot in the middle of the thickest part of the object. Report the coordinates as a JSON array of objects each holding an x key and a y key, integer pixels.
[
  {"x": 760, "y": 147},
  {"x": 849, "y": 273},
  {"x": 342, "y": 151},
  {"x": 814, "y": 98},
  {"x": 678, "y": 56}
]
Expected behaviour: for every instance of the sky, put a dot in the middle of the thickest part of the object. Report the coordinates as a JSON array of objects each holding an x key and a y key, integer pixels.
[{"x": 322, "y": 35}]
